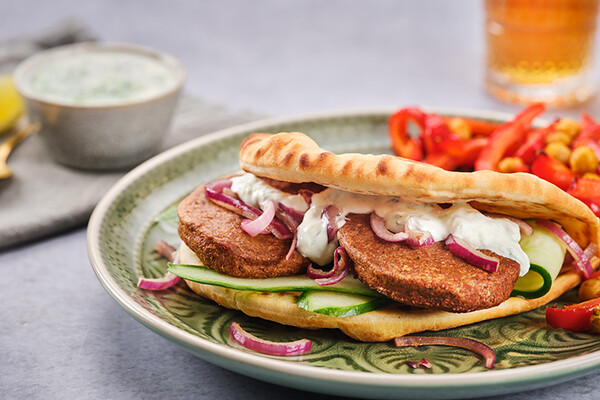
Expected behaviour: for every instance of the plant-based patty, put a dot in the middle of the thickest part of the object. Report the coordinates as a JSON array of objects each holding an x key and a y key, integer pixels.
[
  {"x": 215, "y": 235},
  {"x": 430, "y": 276}
]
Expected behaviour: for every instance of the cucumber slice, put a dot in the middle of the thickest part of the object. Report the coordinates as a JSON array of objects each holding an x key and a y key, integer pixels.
[
  {"x": 533, "y": 284},
  {"x": 546, "y": 255},
  {"x": 339, "y": 304},
  {"x": 296, "y": 283}
]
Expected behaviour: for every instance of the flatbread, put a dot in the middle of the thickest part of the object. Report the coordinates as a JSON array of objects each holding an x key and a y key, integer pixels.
[
  {"x": 375, "y": 326},
  {"x": 295, "y": 157}
]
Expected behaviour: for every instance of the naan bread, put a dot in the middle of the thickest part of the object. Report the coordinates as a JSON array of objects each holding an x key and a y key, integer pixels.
[
  {"x": 294, "y": 157},
  {"x": 375, "y": 326}
]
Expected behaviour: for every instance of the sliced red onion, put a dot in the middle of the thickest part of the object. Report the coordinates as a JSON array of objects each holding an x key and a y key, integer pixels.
[
  {"x": 425, "y": 363},
  {"x": 292, "y": 246},
  {"x": 230, "y": 193},
  {"x": 284, "y": 213},
  {"x": 593, "y": 206},
  {"x": 412, "y": 364},
  {"x": 330, "y": 213},
  {"x": 524, "y": 227},
  {"x": 591, "y": 250},
  {"x": 168, "y": 252},
  {"x": 255, "y": 227},
  {"x": 232, "y": 203},
  {"x": 306, "y": 195},
  {"x": 277, "y": 228},
  {"x": 582, "y": 263},
  {"x": 341, "y": 265},
  {"x": 158, "y": 283},
  {"x": 219, "y": 184},
  {"x": 419, "y": 239},
  {"x": 485, "y": 351},
  {"x": 251, "y": 342},
  {"x": 295, "y": 214},
  {"x": 462, "y": 249},
  {"x": 382, "y": 232},
  {"x": 317, "y": 273}
]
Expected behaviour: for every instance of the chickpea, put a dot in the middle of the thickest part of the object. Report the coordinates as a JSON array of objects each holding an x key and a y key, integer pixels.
[
  {"x": 558, "y": 136},
  {"x": 595, "y": 320},
  {"x": 591, "y": 175},
  {"x": 589, "y": 289},
  {"x": 583, "y": 159},
  {"x": 460, "y": 127},
  {"x": 558, "y": 151},
  {"x": 511, "y": 164},
  {"x": 568, "y": 126}
]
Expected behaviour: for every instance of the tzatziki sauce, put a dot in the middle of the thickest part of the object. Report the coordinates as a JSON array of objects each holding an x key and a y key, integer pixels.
[
  {"x": 100, "y": 78},
  {"x": 499, "y": 235}
]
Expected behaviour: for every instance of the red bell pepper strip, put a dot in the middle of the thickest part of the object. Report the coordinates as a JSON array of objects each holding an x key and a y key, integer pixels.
[
  {"x": 403, "y": 144},
  {"x": 588, "y": 191},
  {"x": 506, "y": 137},
  {"x": 437, "y": 134},
  {"x": 461, "y": 154},
  {"x": 535, "y": 142},
  {"x": 477, "y": 126},
  {"x": 591, "y": 133},
  {"x": 553, "y": 171},
  {"x": 445, "y": 148},
  {"x": 574, "y": 317},
  {"x": 586, "y": 121}
]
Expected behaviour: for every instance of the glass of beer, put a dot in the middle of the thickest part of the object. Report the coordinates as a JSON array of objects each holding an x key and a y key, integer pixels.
[{"x": 541, "y": 50}]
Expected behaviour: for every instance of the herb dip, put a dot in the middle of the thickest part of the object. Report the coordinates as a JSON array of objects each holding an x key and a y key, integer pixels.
[{"x": 101, "y": 78}]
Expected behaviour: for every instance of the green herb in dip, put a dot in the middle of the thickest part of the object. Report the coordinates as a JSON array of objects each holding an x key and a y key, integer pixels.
[{"x": 101, "y": 78}]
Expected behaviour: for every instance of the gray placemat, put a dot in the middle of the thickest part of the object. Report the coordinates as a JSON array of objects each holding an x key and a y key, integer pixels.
[{"x": 43, "y": 198}]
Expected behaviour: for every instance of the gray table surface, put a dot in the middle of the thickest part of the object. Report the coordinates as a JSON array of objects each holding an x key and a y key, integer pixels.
[{"x": 61, "y": 334}]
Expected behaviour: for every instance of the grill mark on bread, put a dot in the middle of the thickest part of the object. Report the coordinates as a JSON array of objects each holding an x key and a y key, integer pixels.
[
  {"x": 288, "y": 157},
  {"x": 304, "y": 161},
  {"x": 347, "y": 167},
  {"x": 382, "y": 167},
  {"x": 415, "y": 174},
  {"x": 259, "y": 152},
  {"x": 249, "y": 141}
]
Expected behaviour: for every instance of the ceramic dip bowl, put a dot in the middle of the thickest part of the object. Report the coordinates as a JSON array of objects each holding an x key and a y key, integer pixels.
[{"x": 102, "y": 106}]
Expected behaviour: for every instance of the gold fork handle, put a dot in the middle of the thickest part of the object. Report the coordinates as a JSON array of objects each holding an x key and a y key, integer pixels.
[{"x": 9, "y": 144}]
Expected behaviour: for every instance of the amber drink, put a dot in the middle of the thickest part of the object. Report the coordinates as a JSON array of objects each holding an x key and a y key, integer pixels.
[{"x": 541, "y": 50}]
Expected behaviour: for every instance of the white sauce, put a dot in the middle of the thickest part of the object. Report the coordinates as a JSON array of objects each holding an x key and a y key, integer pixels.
[
  {"x": 255, "y": 192},
  {"x": 101, "y": 78},
  {"x": 499, "y": 235}
]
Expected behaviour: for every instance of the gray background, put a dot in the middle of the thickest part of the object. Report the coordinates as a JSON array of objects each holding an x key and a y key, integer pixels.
[{"x": 61, "y": 335}]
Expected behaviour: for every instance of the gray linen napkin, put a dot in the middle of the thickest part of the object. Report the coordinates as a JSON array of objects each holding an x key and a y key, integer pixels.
[{"x": 43, "y": 198}]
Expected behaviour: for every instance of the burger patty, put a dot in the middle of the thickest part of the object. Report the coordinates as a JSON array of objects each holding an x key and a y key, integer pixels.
[
  {"x": 215, "y": 235},
  {"x": 430, "y": 276}
]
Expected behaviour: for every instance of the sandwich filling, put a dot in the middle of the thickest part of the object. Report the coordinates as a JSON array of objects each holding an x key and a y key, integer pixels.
[{"x": 498, "y": 235}]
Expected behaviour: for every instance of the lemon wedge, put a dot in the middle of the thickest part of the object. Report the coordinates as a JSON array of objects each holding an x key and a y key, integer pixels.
[{"x": 11, "y": 105}]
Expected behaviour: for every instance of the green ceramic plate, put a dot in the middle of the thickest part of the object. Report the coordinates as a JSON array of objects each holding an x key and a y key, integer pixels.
[{"x": 123, "y": 229}]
